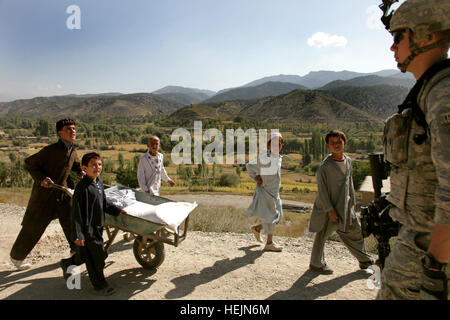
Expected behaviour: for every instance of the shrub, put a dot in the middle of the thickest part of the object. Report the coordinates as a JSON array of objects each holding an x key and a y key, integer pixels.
[
  {"x": 127, "y": 177},
  {"x": 229, "y": 180},
  {"x": 360, "y": 170}
]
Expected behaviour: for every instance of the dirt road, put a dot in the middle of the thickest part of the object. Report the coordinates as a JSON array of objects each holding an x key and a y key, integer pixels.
[{"x": 205, "y": 266}]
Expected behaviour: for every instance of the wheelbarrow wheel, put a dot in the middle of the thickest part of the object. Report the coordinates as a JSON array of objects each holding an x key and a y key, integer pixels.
[{"x": 150, "y": 255}]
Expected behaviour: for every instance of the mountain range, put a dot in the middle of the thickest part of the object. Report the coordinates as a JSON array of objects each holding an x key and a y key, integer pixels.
[
  {"x": 322, "y": 96},
  {"x": 297, "y": 106},
  {"x": 280, "y": 84},
  {"x": 70, "y": 105}
]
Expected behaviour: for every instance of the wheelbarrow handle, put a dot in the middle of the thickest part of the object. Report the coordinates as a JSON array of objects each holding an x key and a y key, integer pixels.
[{"x": 68, "y": 191}]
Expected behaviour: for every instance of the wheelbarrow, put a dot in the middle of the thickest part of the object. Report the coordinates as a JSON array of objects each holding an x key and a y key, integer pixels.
[{"x": 149, "y": 237}]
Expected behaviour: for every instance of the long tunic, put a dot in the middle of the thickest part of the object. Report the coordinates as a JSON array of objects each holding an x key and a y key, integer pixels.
[
  {"x": 266, "y": 202},
  {"x": 335, "y": 191},
  {"x": 150, "y": 172},
  {"x": 54, "y": 161},
  {"x": 88, "y": 210}
]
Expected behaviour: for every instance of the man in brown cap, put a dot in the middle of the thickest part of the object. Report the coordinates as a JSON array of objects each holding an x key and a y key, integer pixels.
[{"x": 51, "y": 165}]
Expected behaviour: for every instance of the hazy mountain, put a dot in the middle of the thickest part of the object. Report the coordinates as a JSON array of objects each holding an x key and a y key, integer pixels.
[
  {"x": 223, "y": 111},
  {"x": 317, "y": 79},
  {"x": 307, "y": 107},
  {"x": 280, "y": 78},
  {"x": 184, "y": 98},
  {"x": 182, "y": 95},
  {"x": 91, "y": 95},
  {"x": 298, "y": 106},
  {"x": 381, "y": 100},
  {"x": 5, "y": 97},
  {"x": 127, "y": 104},
  {"x": 406, "y": 75},
  {"x": 178, "y": 89},
  {"x": 345, "y": 95},
  {"x": 267, "y": 89},
  {"x": 371, "y": 80}
]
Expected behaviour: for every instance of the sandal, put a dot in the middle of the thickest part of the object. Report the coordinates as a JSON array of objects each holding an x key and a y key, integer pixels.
[
  {"x": 257, "y": 234},
  {"x": 272, "y": 247}
]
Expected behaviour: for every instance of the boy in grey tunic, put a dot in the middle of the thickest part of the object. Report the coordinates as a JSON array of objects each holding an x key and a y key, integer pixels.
[{"x": 333, "y": 208}]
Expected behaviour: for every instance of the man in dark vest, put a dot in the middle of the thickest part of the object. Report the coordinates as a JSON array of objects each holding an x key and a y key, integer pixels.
[{"x": 50, "y": 165}]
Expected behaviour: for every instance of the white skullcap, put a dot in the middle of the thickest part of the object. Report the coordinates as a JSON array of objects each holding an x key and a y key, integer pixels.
[{"x": 274, "y": 135}]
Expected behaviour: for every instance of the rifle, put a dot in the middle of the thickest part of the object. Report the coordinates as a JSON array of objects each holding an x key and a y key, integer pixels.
[{"x": 375, "y": 218}]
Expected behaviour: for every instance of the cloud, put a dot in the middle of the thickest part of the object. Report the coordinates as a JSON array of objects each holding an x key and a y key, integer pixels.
[
  {"x": 321, "y": 39},
  {"x": 58, "y": 86},
  {"x": 373, "y": 21}
]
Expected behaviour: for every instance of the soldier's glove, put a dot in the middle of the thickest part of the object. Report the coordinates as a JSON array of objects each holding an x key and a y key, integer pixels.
[{"x": 434, "y": 282}]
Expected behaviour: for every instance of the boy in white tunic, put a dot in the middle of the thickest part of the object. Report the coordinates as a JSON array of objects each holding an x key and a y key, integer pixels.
[
  {"x": 266, "y": 204},
  {"x": 151, "y": 169},
  {"x": 333, "y": 208}
]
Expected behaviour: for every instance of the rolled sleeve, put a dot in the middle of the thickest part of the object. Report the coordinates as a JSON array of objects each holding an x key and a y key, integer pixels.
[{"x": 253, "y": 168}]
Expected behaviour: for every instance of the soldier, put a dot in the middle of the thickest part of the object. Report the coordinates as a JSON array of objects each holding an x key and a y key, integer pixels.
[{"x": 416, "y": 145}]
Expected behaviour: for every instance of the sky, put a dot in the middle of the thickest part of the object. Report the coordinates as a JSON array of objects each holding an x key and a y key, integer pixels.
[{"x": 57, "y": 47}]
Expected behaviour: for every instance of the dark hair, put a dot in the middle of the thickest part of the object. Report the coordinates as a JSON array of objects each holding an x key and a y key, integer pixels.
[
  {"x": 65, "y": 122},
  {"x": 336, "y": 133},
  {"x": 88, "y": 156}
]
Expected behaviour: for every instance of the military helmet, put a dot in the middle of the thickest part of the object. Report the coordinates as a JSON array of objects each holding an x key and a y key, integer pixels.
[{"x": 423, "y": 17}]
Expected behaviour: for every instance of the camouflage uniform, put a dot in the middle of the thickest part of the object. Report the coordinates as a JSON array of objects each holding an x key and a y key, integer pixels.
[{"x": 420, "y": 185}]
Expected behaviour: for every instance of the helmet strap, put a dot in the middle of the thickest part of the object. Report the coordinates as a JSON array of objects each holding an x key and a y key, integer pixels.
[{"x": 415, "y": 51}]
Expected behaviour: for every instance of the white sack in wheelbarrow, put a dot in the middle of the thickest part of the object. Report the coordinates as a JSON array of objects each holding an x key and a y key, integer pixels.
[{"x": 171, "y": 214}]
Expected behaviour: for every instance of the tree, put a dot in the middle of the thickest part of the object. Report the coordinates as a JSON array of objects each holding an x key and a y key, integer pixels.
[
  {"x": 185, "y": 173},
  {"x": 306, "y": 156},
  {"x": 360, "y": 169},
  {"x": 121, "y": 160},
  {"x": 3, "y": 174},
  {"x": 370, "y": 145},
  {"x": 42, "y": 129},
  {"x": 127, "y": 176},
  {"x": 229, "y": 180},
  {"x": 16, "y": 174},
  {"x": 238, "y": 170}
]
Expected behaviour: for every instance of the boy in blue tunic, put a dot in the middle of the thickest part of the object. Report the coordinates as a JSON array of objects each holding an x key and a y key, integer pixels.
[
  {"x": 88, "y": 218},
  {"x": 266, "y": 204},
  {"x": 333, "y": 208}
]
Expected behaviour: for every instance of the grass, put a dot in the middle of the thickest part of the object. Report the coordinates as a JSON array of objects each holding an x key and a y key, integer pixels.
[
  {"x": 17, "y": 196},
  {"x": 230, "y": 219},
  {"x": 204, "y": 218}
]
